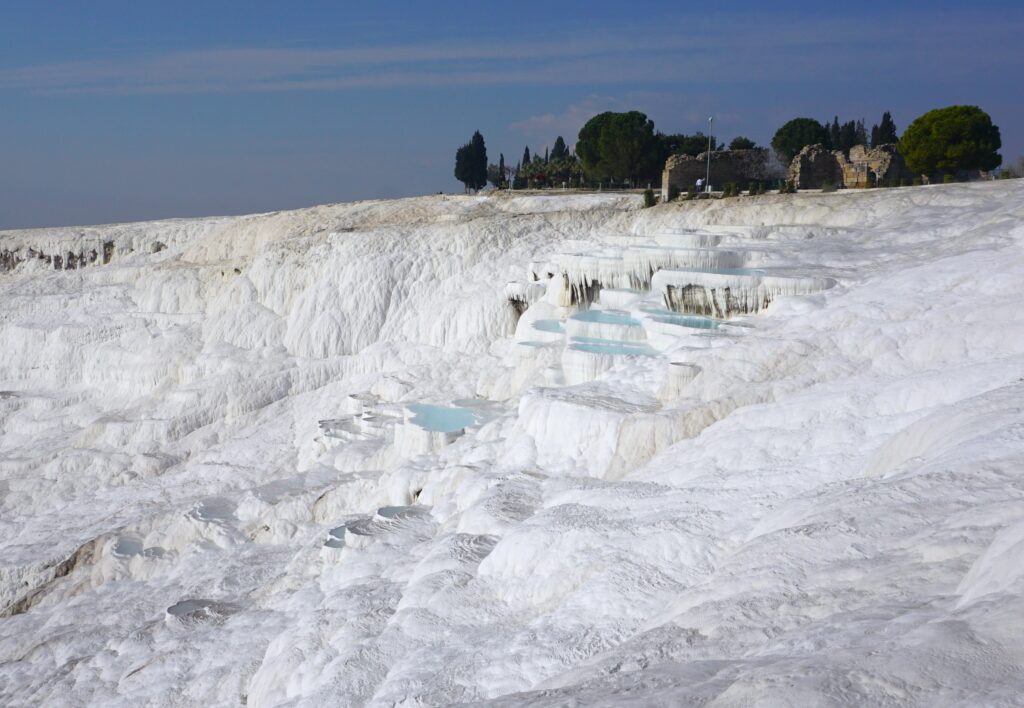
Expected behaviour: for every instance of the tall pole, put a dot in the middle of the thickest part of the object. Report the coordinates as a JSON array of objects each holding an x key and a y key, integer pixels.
[{"x": 711, "y": 128}]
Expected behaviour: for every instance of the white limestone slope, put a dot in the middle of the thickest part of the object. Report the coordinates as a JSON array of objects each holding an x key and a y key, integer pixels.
[{"x": 217, "y": 485}]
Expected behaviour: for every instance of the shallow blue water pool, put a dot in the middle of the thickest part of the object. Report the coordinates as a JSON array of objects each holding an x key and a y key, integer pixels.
[
  {"x": 592, "y": 345},
  {"x": 441, "y": 419},
  {"x": 612, "y": 317},
  {"x": 549, "y": 326}
]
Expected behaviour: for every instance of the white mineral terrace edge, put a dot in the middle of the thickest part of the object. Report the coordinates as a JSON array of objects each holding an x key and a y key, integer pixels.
[{"x": 536, "y": 450}]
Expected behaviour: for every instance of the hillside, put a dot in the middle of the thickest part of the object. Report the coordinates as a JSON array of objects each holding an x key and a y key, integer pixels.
[{"x": 524, "y": 450}]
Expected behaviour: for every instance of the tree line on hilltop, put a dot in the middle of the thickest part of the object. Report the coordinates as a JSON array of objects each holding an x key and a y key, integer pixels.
[{"x": 624, "y": 149}]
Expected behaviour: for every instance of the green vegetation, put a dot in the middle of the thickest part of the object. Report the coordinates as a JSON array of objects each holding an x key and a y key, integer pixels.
[
  {"x": 559, "y": 151},
  {"x": 885, "y": 132},
  {"x": 795, "y": 135},
  {"x": 692, "y": 145},
  {"x": 955, "y": 139},
  {"x": 1015, "y": 171},
  {"x": 471, "y": 163},
  {"x": 617, "y": 149},
  {"x": 649, "y": 199},
  {"x": 620, "y": 147},
  {"x": 741, "y": 143},
  {"x": 496, "y": 173}
]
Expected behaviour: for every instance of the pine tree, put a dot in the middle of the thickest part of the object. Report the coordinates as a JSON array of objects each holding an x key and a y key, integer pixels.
[{"x": 874, "y": 136}]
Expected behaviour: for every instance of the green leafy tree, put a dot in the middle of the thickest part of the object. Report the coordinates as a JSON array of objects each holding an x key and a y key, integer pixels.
[
  {"x": 629, "y": 148},
  {"x": 693, "y": 145},
  {"x": 588, "y": 147},
  {"x": 741, "y": 143},
  {"x": 950, "y": 140},
  {"x": 795, "y": 135}
]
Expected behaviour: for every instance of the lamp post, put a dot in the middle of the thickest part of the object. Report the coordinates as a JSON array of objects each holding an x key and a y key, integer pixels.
[{"x": 711, "y": 128}]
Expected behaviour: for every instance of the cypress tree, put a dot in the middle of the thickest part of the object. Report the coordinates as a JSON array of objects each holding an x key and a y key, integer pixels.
[
  {"x": 526, "y": 155},
  {"x": 547, "y": 156},
  {"x": 479, "y": 161},
  {"x": 835, "y": 134},
  {"x": 860, "y": 134},
  {"x": 886, "y": 131},
  {"x": 559, "y": 151},
  {"x": 463, "y": 168},
  {"x": 847, "y": 136},
  {"x": 501, "y": 166}
]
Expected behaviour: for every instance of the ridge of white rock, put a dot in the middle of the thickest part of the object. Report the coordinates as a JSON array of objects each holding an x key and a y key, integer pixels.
[{"x": 484, "y": 450}]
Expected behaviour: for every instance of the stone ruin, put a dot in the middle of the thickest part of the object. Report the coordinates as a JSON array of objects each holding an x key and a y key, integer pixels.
[
  {"x": 815, "y": 166},
  {"x": 739, "y": 166}
]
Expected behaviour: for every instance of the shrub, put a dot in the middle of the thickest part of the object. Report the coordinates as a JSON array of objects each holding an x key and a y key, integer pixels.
[
  {"x": 790, "y": 187},
  {"x": 691, "y": 192},
  {"x": 904, "y": 182},
  {"x": 673, "y": 192},
  {"x": 752, "y": 188},
  {"x": 827, "y": 186},
  {"x": 947, "y": 179},
  {"x": 950, "y": 140},
  {"x": 917, "y": 182},
  {"x": 649, "y": 199},
  {"x": 761, "y": 188}
]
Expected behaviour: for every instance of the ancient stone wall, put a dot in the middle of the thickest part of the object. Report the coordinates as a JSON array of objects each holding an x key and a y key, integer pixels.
[
  {"x": 882, "y": 163},
  {"x": 815, "y": 166},
  {"x": 739, "y": 166}
]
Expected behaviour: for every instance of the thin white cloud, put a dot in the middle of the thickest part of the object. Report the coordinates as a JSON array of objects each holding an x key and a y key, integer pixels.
[{"x": 724, "y": 49}]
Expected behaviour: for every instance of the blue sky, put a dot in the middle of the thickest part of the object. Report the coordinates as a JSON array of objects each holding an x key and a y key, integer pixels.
[{"x": 116, "y": 111}]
